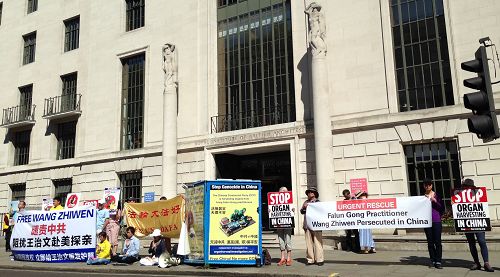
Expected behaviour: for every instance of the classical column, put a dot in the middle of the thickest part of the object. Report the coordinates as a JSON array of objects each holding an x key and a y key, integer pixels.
[
  {"x": 169, "y": 153},
  {"x": 321, "y": 112}
]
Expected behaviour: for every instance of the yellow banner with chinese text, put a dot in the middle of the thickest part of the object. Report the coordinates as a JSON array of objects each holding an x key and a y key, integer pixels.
[{"x": 166, "y": 215}]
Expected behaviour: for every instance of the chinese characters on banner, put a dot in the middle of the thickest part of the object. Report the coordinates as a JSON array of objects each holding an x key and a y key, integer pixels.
[
  {"x": 401, "y": 212},
  {"x": 359, "y": 184},
  {"x": 234, "y": 222},
  {"x": 56, "y": 236},
  {"x": 165, "y": 215},
  {"x": 280, "y": 207},
  {"x": 470, "y": 210}
]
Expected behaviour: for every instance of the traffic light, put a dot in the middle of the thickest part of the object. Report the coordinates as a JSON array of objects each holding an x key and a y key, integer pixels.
[{"x": 483, "y": 122}]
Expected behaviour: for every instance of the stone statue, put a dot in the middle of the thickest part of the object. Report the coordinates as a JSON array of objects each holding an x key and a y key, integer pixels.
[
  {"x": 317, "y": 30},
  {"x": 170, "y": 66}
]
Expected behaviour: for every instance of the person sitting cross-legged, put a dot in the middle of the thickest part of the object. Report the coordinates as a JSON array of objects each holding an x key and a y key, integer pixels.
[
  {"x": 102, "y": 251},
  {"x": 131, "y": 247}
]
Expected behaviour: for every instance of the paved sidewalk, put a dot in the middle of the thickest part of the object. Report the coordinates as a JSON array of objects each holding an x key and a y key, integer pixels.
[{"x": 383, "y": 263}]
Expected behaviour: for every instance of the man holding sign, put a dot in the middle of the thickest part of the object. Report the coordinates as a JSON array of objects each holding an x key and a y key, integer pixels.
[
  {"x": 281, "y": 217},
  {"x": 470, "y": 208}
]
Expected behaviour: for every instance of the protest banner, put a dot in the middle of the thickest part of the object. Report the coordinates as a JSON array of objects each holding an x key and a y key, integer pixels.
[
  {"x": 111, "y": 197},
  {"x": 55, "y": 236},
  {"x": 280, "y": 207},
  {"x": 359, "y": 184},
  {"x": 72, "y": 200},
  {"x": 470, "y": 210},
  {"x": 92, "y": 203},
  {"x": 47, "y": 203},
  {"x": 165, "y": 215},
  {"x": 234, "y": 227},
  {"x": 401, "y": 212}
]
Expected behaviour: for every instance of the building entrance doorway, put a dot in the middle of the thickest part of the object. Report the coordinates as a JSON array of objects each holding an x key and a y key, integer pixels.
[{"x": 273, "y": 169}]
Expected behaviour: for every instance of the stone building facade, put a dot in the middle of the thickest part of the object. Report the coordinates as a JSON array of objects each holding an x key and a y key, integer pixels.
[{"x": 87, "y": 80}]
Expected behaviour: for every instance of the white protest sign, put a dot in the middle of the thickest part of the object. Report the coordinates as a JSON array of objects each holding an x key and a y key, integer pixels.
[
  {"x": 55, "y": 236},
  {"x": 111, "y": 197},
  {"x": 72, "y": 200},
  {"x": 401, "y": 212},
  {"x": 470, "y": 210},
  {"x": 280, "y": 209},
  {"x": 47, "y": 203}
]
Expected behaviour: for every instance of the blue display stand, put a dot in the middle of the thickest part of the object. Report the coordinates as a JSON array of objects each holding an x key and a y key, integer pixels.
[{"x": 228, "y": 215}]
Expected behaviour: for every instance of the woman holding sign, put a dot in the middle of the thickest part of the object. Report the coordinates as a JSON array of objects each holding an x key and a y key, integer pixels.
[
  {"x": 433, "y": 233},
  {"x": 285, "y": 241},
  {"x": 481, "y": 239},
  {"x": 314, "y": 239}
]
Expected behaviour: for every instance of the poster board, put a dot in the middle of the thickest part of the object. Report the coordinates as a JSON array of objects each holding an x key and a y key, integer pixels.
[
  {"x": 358, "y": 184},
  {"x": 380, "y": 213},
  {"x": 47, "y": 203},
  {"x": 195, "y": 204},
  {"x": 72, "y": 200},
  {"x": 280, "y": 208},
  {"x": 111, "y": 197},
  {"x": 233, "y": 226},
  {"x": 470, "y": 210}
]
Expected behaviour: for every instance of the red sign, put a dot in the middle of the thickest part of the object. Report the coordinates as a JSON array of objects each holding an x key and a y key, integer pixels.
[
  {"x": 90, "y": 203},
  {"x": 359, "y": 184},
  {"x": 72, "y": 200},
  {"x": 278, "y": 198},
  {"x": 367, "y": 204},
  {"x": 469, "y": 195}
]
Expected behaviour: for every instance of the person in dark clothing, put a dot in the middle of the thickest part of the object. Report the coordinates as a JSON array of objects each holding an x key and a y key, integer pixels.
[
  {"x": 352, "y": 244},
  {"x": 481, "y": 239},
  {"x": 433, "y": 233}
]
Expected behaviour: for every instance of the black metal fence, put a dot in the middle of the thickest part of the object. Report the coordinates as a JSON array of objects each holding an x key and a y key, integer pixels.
[
  {"x": 61, "y": 104},
  {"x": 18, "y": 114},
  {"x": 252, "y": 119}
]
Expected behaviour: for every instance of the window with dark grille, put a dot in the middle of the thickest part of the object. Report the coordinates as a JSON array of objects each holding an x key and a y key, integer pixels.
[
  {"x": 132, "y": 126},
  {"x": 21, "y": 147},
  {"x": 62, "y": 188},
  {"x": 32, "y": 6},
  {"x": 131, "y": 186},
  {"x": 71, "y": 34},
  {"x": 25, "y": 101},
  {"x": 438, "y": 162},
  {"x": 255, "y": 65},
  {"x": 69, "y": 88},
  {"x": 135, "y": 14},
  {"x": 422, "y": 63},
  {"x": 29, "y": 48},
  {"x": 18, "y": 191},
  {"x": 1, "y": 10},
  {"x": 66, "y": 133}
]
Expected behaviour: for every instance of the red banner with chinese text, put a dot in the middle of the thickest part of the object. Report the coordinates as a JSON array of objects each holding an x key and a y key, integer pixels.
[{"x": 165, "y": 215}]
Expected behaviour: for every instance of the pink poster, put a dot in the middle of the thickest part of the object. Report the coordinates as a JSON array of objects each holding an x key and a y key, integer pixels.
[{"x": 359, "y": 184}]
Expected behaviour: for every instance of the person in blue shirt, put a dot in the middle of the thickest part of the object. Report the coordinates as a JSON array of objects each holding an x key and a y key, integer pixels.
[
  {"x": 131, "y": 247},
  {"x": 102, "y": 215}
]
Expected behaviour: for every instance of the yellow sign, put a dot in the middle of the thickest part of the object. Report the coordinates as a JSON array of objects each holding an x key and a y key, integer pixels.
[
  {"x": 234, "y": 222},
  {"x": 166, "y": 215}
]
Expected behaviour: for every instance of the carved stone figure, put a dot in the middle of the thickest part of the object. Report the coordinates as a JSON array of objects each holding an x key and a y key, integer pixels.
[
  {"x": 317, "y": 29},
  {"x": 170, "y": 66}
]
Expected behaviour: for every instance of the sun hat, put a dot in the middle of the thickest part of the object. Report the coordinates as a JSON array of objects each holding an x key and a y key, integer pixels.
[{"x": 156, "y": 233}]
